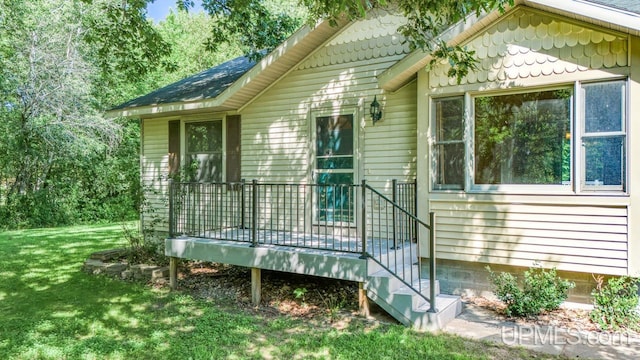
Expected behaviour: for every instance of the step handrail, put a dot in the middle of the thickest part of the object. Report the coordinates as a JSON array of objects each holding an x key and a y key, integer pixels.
[{"x": 431, "y": 299}]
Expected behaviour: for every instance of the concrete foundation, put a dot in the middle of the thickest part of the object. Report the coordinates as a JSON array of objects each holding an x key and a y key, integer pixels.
[{"x": 472, "y": 279}]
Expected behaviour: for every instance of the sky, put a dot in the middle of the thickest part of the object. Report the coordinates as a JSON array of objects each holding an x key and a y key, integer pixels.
[{"x": 159, "y": 9}]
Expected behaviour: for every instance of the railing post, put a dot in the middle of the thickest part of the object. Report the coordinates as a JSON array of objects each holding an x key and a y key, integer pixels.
[
  {"x": 363, "y": 219},
  {"x": 394, "y": 198},
  {"x": 171, "y": 210},
  {"x": 243, "y": 208},
  {"x": 415, "y": 210},
  {"x": 432, "y": 262},
  {"x": 254, "y": 213}
]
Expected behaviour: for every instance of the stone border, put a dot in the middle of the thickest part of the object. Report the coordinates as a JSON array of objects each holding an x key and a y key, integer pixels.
[{"x": 109, "y": 263}]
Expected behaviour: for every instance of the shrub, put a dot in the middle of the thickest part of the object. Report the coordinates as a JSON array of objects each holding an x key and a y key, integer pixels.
[
  {"x": 143, "y": 249},
  {"x": 615, "y": 304},
  {"x": 542, "y": 290}
]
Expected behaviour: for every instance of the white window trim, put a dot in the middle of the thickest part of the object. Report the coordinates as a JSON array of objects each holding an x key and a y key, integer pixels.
[
  {"x": 201, "y": 119},
  {"x": 434, "y": 142},
  {"x": 357, "y": 155},
  {"x": 581, "y": 187},
  {"x": 576, "y": 158}
]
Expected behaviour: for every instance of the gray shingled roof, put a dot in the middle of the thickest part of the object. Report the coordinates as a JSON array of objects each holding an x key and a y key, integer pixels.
[
  {"x": 626, "y": 5},
  {"x": 205, "y": 85}
]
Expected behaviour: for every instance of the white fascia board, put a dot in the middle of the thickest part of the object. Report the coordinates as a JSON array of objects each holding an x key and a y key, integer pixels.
[
  {"x": 159, "y": 109},
  {"x": 584, "y": 9}
]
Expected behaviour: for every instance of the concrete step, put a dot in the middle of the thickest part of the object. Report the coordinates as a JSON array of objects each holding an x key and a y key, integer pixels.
[
  {"x": 384, "y": 279},
  {"x": 413, "y": 311},
  {"x": 403, "y": 303},
  {"x": 395, "y": 260}
]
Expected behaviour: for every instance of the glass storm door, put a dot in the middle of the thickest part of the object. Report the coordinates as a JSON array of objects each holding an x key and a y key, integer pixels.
[{"x": 334, "y": 169}]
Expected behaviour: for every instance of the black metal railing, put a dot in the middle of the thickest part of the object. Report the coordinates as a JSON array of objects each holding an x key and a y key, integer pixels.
[
  {"x": 301, "y": 215},
  {"x": 338, "y": 217},
  {"x": 394, "y": 245}
]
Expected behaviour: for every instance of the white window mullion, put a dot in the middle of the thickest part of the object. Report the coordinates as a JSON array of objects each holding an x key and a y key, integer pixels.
[
  {"x": 577, "y": 161},
  {"x": 469, "y": 142}
]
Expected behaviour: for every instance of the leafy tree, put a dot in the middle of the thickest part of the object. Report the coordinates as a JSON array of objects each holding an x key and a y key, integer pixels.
[
  {"x": 62, "y": 162},
  {"x": 257, "y": 25},
  {"x": 123, "y": 40},
  {"x": 260, "y": 24}
]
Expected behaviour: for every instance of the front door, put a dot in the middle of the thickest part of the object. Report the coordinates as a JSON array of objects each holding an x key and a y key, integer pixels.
[{"x": 334, "y": 171}]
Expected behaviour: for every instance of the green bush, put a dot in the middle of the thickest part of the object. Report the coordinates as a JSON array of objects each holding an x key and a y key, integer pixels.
[
  {"x": 542, "y": 290},
  {"x": 615, "y": 304}
]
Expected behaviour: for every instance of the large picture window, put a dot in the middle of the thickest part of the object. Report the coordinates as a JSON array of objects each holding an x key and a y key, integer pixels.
[
  {"x": 523, "y": 138},
  {"x": 204, "y": 150},
  {"x": 533, "y": 140}
]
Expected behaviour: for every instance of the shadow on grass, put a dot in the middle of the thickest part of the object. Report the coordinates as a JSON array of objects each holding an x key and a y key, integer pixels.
[{"x": 49, "y": 309}]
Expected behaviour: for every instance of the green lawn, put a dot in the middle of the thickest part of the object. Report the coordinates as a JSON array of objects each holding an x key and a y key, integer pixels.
[{"x": 49, "y": 309}]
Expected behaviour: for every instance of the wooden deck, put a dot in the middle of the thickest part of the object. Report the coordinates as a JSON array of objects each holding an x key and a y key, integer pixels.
[{"x": 338, "y": 257}]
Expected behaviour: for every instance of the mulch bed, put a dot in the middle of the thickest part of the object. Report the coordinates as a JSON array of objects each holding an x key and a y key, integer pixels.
[{"x": 281, "y": 292}]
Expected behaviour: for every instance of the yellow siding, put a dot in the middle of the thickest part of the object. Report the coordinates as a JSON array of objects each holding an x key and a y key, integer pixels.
[
  {"x": 576, "y": 238},
  {"x": 575, "y": 233},
  {"x": 390, "y": 145},
  {"x": 634, "y": 161},
  {"x": 154, "y": 171},
  {"x": 340, "y": 77}
]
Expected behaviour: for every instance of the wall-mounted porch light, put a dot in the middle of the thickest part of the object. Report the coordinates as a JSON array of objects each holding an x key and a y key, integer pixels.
[{"x": 376, "y": 113}]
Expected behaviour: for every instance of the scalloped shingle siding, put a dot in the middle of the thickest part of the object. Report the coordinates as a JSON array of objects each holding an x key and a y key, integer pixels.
[{"x": 531, "y": 44}]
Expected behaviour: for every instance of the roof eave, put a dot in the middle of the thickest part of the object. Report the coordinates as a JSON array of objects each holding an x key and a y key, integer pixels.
[
  {"x": 168, "y": 108},
  {"x": 247, "y": 86}
]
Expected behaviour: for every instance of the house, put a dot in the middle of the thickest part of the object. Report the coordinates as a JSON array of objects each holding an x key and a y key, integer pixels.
[{"x": 529, "y": 159}]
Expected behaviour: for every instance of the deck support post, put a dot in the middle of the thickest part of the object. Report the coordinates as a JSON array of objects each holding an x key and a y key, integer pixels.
[
  {"x": 363, "y": 301},
  {"x": 256, "y": 286},
  {"x": 173, "y": 272}
]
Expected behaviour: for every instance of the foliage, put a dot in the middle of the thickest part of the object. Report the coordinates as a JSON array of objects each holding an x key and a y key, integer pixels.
[
  {"x": 51, "y": 131},
  {"x": 334, "y": 303},
  {"x": 63, "y": 162},
  {"x": 426, "y": 20},
  {"x": 300, "y": 293},
  {"x": 262, "y": 24},
  {"x": 51, "y": 310},
  {"x": 257, "y": 25},
  {"x": 140, "y": 250},
  {"x": 616, "y": 303},
  {"x": 123, "y": 40},
  {"x": 542, "y": 290}
]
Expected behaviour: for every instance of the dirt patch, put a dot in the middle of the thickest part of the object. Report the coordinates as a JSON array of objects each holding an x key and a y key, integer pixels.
[{"x": 309, "y": 297}]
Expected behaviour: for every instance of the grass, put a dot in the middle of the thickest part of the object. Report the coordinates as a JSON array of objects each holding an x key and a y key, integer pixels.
[{"x": 49, "y": 309}]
